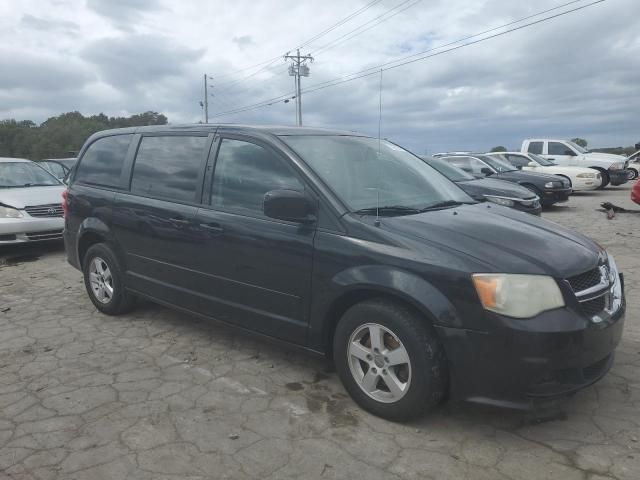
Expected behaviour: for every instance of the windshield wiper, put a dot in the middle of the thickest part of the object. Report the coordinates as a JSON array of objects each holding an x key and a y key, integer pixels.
[
  {"x": 388, "y": 210},
  {"x": 444, "y": 204}
]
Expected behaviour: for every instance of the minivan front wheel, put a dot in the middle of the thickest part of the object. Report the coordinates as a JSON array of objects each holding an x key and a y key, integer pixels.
[
  {"x": 389, "y": 359},
  {"x": 104, "y": 281}
]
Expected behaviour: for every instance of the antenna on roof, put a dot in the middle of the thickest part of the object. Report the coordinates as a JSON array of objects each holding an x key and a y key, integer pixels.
[{"x": 377, "y": 222}]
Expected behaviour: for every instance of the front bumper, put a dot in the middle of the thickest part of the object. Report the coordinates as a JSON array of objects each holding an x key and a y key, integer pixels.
[
  {"x": 585, "y": 184},
  {"x": 618, "y": 177},
  {"x": 30, "y": 229},
  {"x": 534, "y": 207},
  {"x": 521, "y": 361},
  {"x": 556, "y": 195}
]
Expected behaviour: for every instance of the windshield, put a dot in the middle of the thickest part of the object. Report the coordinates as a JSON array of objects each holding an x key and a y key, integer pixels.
[
  {"x": 24, "y": 174},
  {"x": 577, "y": 147},
  {"x": 541, "y": 160},
  {"x": 449, "y": 170},
  {"x": 498, "y": 162},
  {"x": 366, "y": 173}
]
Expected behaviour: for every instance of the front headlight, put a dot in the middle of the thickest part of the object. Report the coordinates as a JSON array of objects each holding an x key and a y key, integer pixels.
[
  {"x": 553, "y": 185},
  {"x": 518, "y": 296},
  {"x": 507, "y": 202},
  {"x": 617, "y": 166},
  {"x": 586, "y": 175},
  {"x": 8, "y": 212}
]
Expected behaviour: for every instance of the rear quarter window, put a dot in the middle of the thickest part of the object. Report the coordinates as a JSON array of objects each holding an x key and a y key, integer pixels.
[{"x": 103, "y": 161}]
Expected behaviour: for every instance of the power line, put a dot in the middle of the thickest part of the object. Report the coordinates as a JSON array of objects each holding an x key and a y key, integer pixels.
[
  {"x": 403, "y": 61},
  {"x": 266, "y": 63},
  {"x": 343, "y": 38},
  {"x": 357, "y": 31}
]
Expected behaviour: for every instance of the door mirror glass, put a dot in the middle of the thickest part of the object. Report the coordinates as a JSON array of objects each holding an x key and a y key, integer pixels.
[
  {"x": 289, "y": 205},
  {"x": 486, "y": 171}
]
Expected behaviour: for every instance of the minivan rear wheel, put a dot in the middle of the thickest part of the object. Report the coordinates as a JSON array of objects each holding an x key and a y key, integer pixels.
[
  {"x": 104, "y": 281},
  {"x": 389, "y": 359}
]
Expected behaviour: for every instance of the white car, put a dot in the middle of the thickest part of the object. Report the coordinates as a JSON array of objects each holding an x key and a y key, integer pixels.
[
  {"x": 581, "y": 178},
  {"x": 30, "y": 202},
  {"x": 633, "y": 170},
  {"x": 612, "y": 168}
]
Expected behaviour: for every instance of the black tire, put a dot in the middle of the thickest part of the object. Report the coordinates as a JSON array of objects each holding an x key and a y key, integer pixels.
[
  {"x": 120, "y": 301},
  {"x": 429, "y": 376},
  {"x": 605, "y": 178}
]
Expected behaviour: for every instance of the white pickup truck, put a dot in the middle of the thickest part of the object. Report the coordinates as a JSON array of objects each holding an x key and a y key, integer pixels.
[{"x": 564, "y": 152}]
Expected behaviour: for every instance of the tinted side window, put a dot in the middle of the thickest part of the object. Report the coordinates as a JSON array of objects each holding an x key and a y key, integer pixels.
[
  {"x": 102, "y": 163},
  {"x": 244, "y": 172},
  {"x": 556, "y": 148},
  {"x": 535, "y": 147},
  {"x": 168, "y": 167},
  {"x": 518, "y": 161}
]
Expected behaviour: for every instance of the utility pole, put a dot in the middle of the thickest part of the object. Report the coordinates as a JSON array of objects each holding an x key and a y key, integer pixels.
[
  {"x": 206, "y": 101},
  {"x": 298, "y": 69}
]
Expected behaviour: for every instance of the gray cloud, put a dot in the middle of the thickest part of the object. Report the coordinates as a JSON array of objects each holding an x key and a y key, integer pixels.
[
  {"x": 243, "y": 41},
  {"x": 48, "y": 25},
  {"x": 123, "y": 13},
  {"x": 133, "y": 60}
]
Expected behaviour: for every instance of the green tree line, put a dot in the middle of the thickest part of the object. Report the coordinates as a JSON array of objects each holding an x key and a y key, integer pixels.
[{"x": 62, "y": 136}]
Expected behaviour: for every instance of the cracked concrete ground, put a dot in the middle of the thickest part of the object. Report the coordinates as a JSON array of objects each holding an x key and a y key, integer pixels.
[{"x": 160, "y": 395}]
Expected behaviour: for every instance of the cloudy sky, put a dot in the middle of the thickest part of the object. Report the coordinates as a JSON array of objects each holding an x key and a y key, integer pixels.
[{"x": 576, "y": 75}]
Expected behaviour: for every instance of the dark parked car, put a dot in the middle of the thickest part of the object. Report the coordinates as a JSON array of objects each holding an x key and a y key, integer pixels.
[
  {"x": 349, "y": 247},
  {"x": 489, "y": 189},
  {"x": 550, "y": 188}
]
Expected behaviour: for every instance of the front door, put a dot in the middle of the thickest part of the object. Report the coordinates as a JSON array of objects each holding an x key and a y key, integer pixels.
[
  {"x": 561, "y": 154},
  {"x": 255, "y": 271}
]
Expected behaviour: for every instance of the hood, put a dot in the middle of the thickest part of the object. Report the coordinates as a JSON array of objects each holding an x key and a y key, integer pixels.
[
  {"x": 500, "y": 239},
  {"x": 28, "y": 196},
  {"x": 493, "y": 186},
  {"x": 606, "y": 156}
]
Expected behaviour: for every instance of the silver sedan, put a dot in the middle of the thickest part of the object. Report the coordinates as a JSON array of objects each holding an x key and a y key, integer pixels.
[{"x": 30, "y": 202}]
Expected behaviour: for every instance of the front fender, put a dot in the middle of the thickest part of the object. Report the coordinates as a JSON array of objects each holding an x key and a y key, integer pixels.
[{"x": 368, "y": 280}]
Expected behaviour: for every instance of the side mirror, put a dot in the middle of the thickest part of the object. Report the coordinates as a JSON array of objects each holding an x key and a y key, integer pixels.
[
  {"x": 532, "y": 164},
  {"x": 486, "y": 171},
  {"x": 289, "y": 205}
]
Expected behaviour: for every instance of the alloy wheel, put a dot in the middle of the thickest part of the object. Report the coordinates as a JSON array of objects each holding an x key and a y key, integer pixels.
[
  {"x": 101, "y": 280},
  {"x": 379, "y": 363}
]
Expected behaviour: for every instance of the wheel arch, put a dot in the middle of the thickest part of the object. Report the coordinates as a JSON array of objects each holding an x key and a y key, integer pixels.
[
  {"x": 398, "y": 286},
  {"x": 92, "y": 231}
]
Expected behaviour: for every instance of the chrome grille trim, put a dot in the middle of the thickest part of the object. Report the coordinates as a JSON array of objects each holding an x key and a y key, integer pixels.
[{"x": 51, "y": 210}]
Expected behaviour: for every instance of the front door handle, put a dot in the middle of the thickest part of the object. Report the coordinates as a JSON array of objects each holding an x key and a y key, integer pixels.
[{"x": 214, "y": 228}]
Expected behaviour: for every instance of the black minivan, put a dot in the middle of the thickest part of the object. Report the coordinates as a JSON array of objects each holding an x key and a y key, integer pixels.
[{"x": 347, "y": 246}]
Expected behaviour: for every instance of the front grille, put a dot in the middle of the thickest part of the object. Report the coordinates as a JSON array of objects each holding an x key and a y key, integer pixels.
[
  {"x": 593, "y": 307},
  {"x": 51, "y": 210},
  {"x": 46, "y": 235},
  {"x": 589, "y": 373},
  {"x": 7, "y": 238},
  {"x": 585, "y": 280}
]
